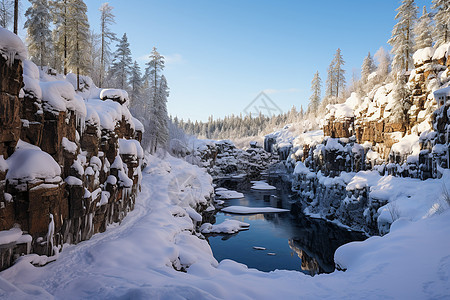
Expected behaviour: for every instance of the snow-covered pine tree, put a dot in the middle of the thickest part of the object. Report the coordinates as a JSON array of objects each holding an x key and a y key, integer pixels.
[
  {"x": 367, "y": 68},
  {"x": 442, "y": 21},
  {"x": 384, "y": 64},
  {"x": 330, "y": 83},
  {"x": 401, "y": 105},
  {"x": 121, "y": 65},
  {"x": 158, "y": 92},
  {"x": 78, "y": 38},
  {"x": 94, "y": 58},
  {"x": 161, "y": 109},
  {"x": 107, "y": 36},
  {"x": 423, "y": 30},
  {"x": 39, "y": 33},
  {"x": 5, "y": 12},
  {"x": 136, "y": 84},
  {"x": 339, "y": 76},
  {"x": 402, "y": 40},
  {"x": 314, "y": 99}
]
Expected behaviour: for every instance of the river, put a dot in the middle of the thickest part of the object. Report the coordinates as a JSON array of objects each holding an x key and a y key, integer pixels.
[{"x": 292, "y": 240}]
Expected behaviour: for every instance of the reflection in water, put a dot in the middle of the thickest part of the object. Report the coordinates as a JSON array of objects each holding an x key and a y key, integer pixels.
[
  {"x": 300, "y": 243},
  {"x": 309, "y": 264}
]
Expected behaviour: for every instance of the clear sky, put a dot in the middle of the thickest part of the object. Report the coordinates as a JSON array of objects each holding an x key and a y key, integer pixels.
[{"x": 221, "y": 54}]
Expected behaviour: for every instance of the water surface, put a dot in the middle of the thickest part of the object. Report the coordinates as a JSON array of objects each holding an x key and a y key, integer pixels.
[{"x": 298, "y": 242}]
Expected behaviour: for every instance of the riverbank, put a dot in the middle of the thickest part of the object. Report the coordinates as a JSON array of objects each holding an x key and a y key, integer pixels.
[{"x": 135, "y": 260}]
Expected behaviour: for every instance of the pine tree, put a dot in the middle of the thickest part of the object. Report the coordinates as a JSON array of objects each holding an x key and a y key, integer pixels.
[
  {"x": 402, "y": 40},
  {"x": 135, "y": 83},
  {"x": 442, "y": 21},
  {"x": 401, "y": 105},
  {"x": 94, "y": 59},
  {"x": 384, "y": 64},
  {"x": 367, "y": 68},
  {"x": 158, "y": 92},
  {"x": 314, "y": 100},
  {"x": 107, "y": 36},
  {"x": 5, "y": 12},
  {"x": 422, "y": 31},
  {"x": 121, "y": 65},
  {"x": 78, "y": 43},
  {"x": 330, "y": 83},
  {"x": 60, "y": 36},
  {"x": 39, "y": 34},
  {"x": 339, "y": 72}
]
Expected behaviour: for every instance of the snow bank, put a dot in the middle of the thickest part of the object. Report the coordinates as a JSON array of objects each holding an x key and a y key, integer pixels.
[
  {"x": 252, "y": 210},
  {"x": 60, "y": 96},
  {"x": 29, "y": 162},
  {"x": 11, "y": 46},
  {"x": 228, "y": 226},
  {"x": 411, "y": 262}
]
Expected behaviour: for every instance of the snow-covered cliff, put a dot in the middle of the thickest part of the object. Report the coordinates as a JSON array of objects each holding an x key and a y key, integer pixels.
[{"x": 70, "y": 161}]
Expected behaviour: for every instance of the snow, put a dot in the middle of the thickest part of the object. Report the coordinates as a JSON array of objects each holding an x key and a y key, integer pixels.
[
  {"x": 300, "y": 168},
  {"x": 262, "y": 185},
  {"x": 423, "y": 55},
  {"x": 138, "y": 126},
  {"x": 114, "y": 94},
  {"x": 71, "y": 180},
  {"x": 69, "y": 146},
  {"x": 227, "y": 194},
  {"x": 131, "y": 147},
  {"x": 309, "y": 138},
  {"x": 29, "y": 162},
  {"x": 259, "y": 248},
  {"x": 252, "y": 210},
  {"x": 441, "y": 51},
  {"x": 108, "y": 112},
  {"x": 343, "y": 110},
  {"x": 10, "y": 236},
  {"x": 60, "y": 96},
  {"x": 3, "y": 164},
  {"x": 228, "y": 226},
  {"x": 410, "y": 262},
  {"x": 409, "y": 144},
  {"x": 11, "y": 46},
  {"x": 31, "y": 79}
]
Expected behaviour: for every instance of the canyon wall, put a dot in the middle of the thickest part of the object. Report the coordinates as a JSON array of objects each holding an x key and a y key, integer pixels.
[{"x": 70, "y": 163}]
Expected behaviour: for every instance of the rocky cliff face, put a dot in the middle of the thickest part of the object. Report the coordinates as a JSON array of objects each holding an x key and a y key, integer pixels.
[
  {"x": 68, "y": 166},
  {"x": 359, "y": 135},
  {"x": 223, "y": 159}
]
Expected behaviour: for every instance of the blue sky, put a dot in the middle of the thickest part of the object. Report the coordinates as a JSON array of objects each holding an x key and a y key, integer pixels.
[{"x": 221, "y": 54}]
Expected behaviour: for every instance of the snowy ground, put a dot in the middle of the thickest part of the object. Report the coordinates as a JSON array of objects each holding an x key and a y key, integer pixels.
[{"x": 134, "y": 260}]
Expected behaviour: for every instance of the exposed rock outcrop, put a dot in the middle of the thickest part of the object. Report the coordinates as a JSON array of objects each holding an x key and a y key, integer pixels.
[{"x": 68, "y": 166}]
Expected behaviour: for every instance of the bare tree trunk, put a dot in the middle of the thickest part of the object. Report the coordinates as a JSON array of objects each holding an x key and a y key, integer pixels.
[
  {"x": 16, "y": 15},
  {"x": 65, "y": 37},
  {"x": 102, "y": 58}
]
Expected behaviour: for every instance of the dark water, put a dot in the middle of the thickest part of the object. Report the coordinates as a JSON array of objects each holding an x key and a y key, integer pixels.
[{"x": 299, "y": 242}]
